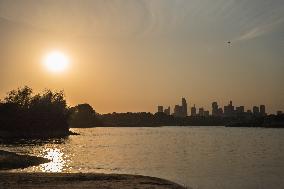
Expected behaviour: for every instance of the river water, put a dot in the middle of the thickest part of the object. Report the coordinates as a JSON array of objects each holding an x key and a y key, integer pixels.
[{"x": 196, "y": 157}]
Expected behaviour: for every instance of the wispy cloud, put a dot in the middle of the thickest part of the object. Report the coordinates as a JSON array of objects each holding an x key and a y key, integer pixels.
[{"x": 259, "y": 30}]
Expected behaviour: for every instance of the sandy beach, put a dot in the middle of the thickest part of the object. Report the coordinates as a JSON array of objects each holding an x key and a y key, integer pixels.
[
  {"x": 80, "y": 180},
  {"x": 10, "y": 160}
]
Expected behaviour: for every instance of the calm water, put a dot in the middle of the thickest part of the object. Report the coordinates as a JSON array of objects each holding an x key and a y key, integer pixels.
[{"x": 198, "y": 157}]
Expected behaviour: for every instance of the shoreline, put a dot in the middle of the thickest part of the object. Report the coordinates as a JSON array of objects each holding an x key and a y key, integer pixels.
[
  {"x": 83, "y": 180},
  {"x": 11, "y": 160}
]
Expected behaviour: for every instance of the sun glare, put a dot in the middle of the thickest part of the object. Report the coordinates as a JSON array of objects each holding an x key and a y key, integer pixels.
[{"x": 56, "y": 62}]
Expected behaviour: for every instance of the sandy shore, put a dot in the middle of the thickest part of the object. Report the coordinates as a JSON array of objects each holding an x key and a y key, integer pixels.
[
  {"x": 80, "y": 180},
  {"x": 10, "y": 160}
]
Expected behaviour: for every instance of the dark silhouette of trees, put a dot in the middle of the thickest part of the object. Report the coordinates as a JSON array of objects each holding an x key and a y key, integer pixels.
[
  {"x": 25, "y": 114},
  {"x": 83, "y": 115}
]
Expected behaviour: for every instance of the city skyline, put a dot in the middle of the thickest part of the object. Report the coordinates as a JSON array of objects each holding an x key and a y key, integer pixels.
[{"x": 216, "y": 110}]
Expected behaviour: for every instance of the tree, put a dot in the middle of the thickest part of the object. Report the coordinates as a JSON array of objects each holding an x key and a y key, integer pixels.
[
  {"x": 20, "y": 97},
  {"x": 24, "y": 114},
  {"x": 83, "y": 115}
]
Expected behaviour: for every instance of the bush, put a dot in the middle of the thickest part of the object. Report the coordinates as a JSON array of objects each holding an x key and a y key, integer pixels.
[{"x": 23, "y": 113}]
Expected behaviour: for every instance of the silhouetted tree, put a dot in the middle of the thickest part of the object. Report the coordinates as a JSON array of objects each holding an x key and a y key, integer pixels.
[
  {"x": 44, "y": 114},
  {"x": 83, "y": 115}
]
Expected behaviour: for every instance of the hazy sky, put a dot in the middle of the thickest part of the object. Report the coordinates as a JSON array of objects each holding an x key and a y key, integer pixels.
[{"x": 131, "y": 55}]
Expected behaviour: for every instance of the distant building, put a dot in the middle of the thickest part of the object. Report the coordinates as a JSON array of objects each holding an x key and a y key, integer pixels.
[
  {"x": 279, "y": 113},
  {"x": 220, "y": 111},
  {"x": 167, "y": 111},
  {"x": 193, "y": 111},
  {"x": 201, "y": 112},
  {"x": 255, "y": 110},
  {"x": 206, "y": 113},
  {"x": 178, "y": 111},
  {"x": 181, "y": 111},
  {"x": 240, "y": 110},
  {"x": 229, "y": 110},
  {"x": 215, "y": 109},
  {"x": 262, "y": 110},
  {"x": 160, "y": 109},
  {"x": 184, "y": 107}
]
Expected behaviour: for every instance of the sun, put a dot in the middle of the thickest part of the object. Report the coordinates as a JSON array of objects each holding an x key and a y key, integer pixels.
[{"x": 56, "y": 62}]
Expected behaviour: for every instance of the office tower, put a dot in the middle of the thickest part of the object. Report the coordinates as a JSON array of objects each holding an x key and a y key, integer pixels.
[
  {"x": 229, "y": 110},
  {"x": 181, "y": 111},
  {"x": 262, "y": 110},
  {"x": 193, "y": 111},
  {"x": 255, "y": 110},
  {"x": 160, "y": 109},
  {"x": 167, "y": 111},
  {"x": 240, "y": 110},
  {"x": 220, "y": 111},
  {"x": 206, "y": 113},
  {"x": 178, "y": 111},
  {"x": 184, "y": 107},
  {"x": 214, "y": 109},
  {"x": 201, "y": 112}
]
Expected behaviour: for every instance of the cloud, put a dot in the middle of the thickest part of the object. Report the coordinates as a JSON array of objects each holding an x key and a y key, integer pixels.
[{"x": 259, "y": 30}]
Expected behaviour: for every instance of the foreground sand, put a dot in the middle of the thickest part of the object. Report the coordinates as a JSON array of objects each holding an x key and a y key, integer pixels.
[
  {"x": 80, "y": 180},
  {"x": 10, "y": 160}
]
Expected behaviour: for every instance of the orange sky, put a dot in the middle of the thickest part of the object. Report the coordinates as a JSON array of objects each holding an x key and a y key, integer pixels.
[{"x": 134, "y": 55}]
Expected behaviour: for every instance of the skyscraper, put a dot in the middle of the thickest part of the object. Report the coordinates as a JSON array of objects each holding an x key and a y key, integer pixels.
[
  {"x": 184, "y": 107},
  {"x": 167, "y": 111},
  {"x": 255, "y": 110},
  {"x": 229, "y": 110},
  {"x": 201, "y": 112},
  {"x": 193, "y": 111},
  {"x": 214, "y": 109},
  {"x": 178, "y": 111},
  {"x": 160, "y": 109},
  {"x": 181, "y": 111},
  {"x": 262, "y": 110}
]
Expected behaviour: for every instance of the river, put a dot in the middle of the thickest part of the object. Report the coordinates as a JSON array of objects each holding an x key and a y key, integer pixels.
[{"x": 197, "y": 157}]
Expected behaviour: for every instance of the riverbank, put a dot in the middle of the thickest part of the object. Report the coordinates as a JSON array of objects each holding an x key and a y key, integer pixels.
[
  {"x": 80, "y": 180},
  {"x": 10, "y": 160},
  {"x": 35, "y": 135}
]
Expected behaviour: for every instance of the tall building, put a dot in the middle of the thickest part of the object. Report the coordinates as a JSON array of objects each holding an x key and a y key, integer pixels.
[
  {"x": 181, "y": 111},
  {"x": 262, "y": 110},
  {"x": 206, "y": 113},
  {"x": 193, "y": 111},
  {"x": 160, "y": 109},
  {"x": 201, "y": 112},
  {"x": 240, "y": 110},
  {"x": 184, "y": 107},
  {"x": 229, "y": 110},
  {"x": 214, "y": 109},
  {"x": 167, "y": 111},
  {"x": 178, "y": 111},
  {"x": 220, "y": 112},
  {"x": 255, "y": 110}
]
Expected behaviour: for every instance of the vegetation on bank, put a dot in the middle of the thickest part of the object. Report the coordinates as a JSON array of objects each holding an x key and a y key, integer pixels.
[
  {"x": 83, "y": 116},
  {"x": 46, "y": 114},
  {"x": 24, "y": 114}
]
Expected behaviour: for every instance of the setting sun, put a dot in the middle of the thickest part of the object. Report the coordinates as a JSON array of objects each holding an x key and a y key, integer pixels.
[{"x": 56, "y": 62}]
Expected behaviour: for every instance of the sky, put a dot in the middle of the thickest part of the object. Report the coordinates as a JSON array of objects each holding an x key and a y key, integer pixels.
[{"x": 132, "y": 55}]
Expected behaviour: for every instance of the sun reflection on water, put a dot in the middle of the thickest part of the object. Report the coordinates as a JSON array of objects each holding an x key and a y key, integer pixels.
[{"x": 57, "y": 160}]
